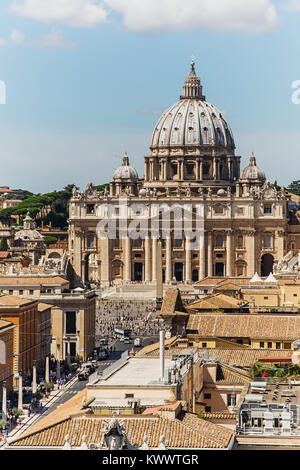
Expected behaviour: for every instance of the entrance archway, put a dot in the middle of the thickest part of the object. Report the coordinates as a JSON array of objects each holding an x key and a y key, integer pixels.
[
  {"x": 219, "y": 269},
  {"x": 178, "y": 272},
  {"x": 267, "y": 262},
  {"x": 138, "y": 272}
]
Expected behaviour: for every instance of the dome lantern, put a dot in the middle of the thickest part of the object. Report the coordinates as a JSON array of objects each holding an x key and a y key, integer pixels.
[{"x": 192, "y": 88}]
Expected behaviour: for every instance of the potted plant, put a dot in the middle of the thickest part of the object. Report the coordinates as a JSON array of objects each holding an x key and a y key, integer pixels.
[
  {"x": 16, "y": 413},
  {"x": 3, "y": 425},
  {"x": 48, "y": 386}
]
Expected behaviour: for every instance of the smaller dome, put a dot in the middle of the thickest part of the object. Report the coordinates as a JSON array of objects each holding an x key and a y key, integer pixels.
[
  {"x": 125, "y": 171},
  {"x": 252, "y": 171},
  {"x": 28, "y": 235},
  {"x": 143, "y": 192},
  {"x": 221, "y": 192}
]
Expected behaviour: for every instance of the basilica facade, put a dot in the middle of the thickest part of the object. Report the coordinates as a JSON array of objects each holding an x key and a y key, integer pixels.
[{"x": 213, "y": 219}]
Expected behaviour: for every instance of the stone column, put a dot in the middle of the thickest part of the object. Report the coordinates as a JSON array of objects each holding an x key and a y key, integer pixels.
[
  {"x": 147, "y": 260},
  {"x": 280, "y": 244},
  {"x": 34, "y": 384},
  {"x": 159, "y": 283},
  {"x": 188, "y": 260},
  {"x": 20, "y": 395},
  {"x": 127, "y": 259},
  {"x": 229, "y": 260},
  {"x": 154, "y": 257},
  {"x": 168, "y": 259},
  {"x": 209, "y": 254},
  {"x": 201, "y": 256},
  {"x": 47, "y": 370},
  {"x": 201, "y": 171},
  {"x": 197, "y": 170},
  {"x": 68, "y": 351},
  {"x": 105, "y": 261},
  {"x": 251, "y": 254},
  {"x": 58, "y": 363},
  {"x": 4, "y": 398}
]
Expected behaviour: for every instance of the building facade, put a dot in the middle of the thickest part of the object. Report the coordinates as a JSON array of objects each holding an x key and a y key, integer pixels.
[{"x": 213, "y": 218}]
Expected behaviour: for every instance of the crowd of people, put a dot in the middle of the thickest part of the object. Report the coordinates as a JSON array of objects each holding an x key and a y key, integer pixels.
[{"x": 137, "y": 316}]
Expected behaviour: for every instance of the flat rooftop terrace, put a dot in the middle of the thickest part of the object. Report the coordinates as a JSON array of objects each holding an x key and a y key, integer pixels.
[{"x": 137, "y": 371}]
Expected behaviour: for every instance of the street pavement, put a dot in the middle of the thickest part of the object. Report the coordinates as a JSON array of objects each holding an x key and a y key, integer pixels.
[{"x": 58, "y": 397}]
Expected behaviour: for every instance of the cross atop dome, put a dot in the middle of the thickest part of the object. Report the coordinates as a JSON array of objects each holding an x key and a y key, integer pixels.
[{"x": 192, "y": 88}]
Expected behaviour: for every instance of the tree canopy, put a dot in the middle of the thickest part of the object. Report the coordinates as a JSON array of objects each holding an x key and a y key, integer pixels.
[{"x": 294, "y": 187}]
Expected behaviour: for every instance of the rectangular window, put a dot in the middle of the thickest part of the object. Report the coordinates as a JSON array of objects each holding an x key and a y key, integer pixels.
[
  {"x": 31, "y": 291},
  {"x": 277, "y": 345},
  {"x": 267, "y": 209},
  {"x": 129, "y": 395},
  {"x": 261, "y": 345},
  {"x": 204, "y": 345},
  {"x": 207, "y": 396},
  {"x": 231, "y": 399},
  {"x": 10, "y": 291},
  {"x": 208, "y": 409},
  {"x": 70, "y": 323},
  {"x": 90, "y": 209},
  {"x": 21, "y": 291},
  {"x": 90, "y": 241},
  {"x": 270, "y": 345}
]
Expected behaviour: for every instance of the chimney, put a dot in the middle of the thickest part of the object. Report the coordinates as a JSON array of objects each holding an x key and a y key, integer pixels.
[{"x": 162, "y": 354}]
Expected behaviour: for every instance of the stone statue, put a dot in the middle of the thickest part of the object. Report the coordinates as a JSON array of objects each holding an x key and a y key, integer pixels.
[
  {"x": 114, "y": 435},
  {"x": 188, "y": 191},
  {"x": 74, "y": 191}
]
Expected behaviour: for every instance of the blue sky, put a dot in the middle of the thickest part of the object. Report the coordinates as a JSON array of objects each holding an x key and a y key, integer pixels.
[{"x": 86, "y": 80}]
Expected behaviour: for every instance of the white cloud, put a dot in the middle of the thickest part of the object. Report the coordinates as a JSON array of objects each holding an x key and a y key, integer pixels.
[
  {"x": 54, "y": 39},
  {"x": 74, "y": 13},
  {"x": 178, "y": 15},
  {"x": 17, "y": 37},
  {"x": 293, "y": 5}
]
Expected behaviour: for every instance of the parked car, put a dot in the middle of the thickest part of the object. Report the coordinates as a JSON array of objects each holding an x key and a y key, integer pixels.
[
  {"x": 90, "y": 368},
  {"x": 137, "y": 342},
  {"x": 127, "y": 341},
  {"x": 83, "y": 376}
]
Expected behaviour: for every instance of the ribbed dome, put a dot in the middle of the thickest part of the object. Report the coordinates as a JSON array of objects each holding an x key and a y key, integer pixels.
[
  {"x": 125, "y": 171},
  {"x": 252, "y": 171},
  {"x": 192, "y": 121}
]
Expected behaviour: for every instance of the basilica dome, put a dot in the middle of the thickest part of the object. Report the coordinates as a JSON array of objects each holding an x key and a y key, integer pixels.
[
  {"x": 192, "y": 121},
  {"x": 252, "y": 171},
  {"x": 125, "y": 171}
]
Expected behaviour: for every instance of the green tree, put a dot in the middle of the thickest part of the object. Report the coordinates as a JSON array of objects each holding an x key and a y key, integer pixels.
[
  {"x": 3, "y": 424},
  {"x": 16, "y": 412},
  {"x": 255, "y": 370},
  {"x": 294, "y": 187}
]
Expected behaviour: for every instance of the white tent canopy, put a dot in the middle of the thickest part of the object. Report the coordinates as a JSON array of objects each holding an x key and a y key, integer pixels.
[{"x": 256, "y": 278}]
